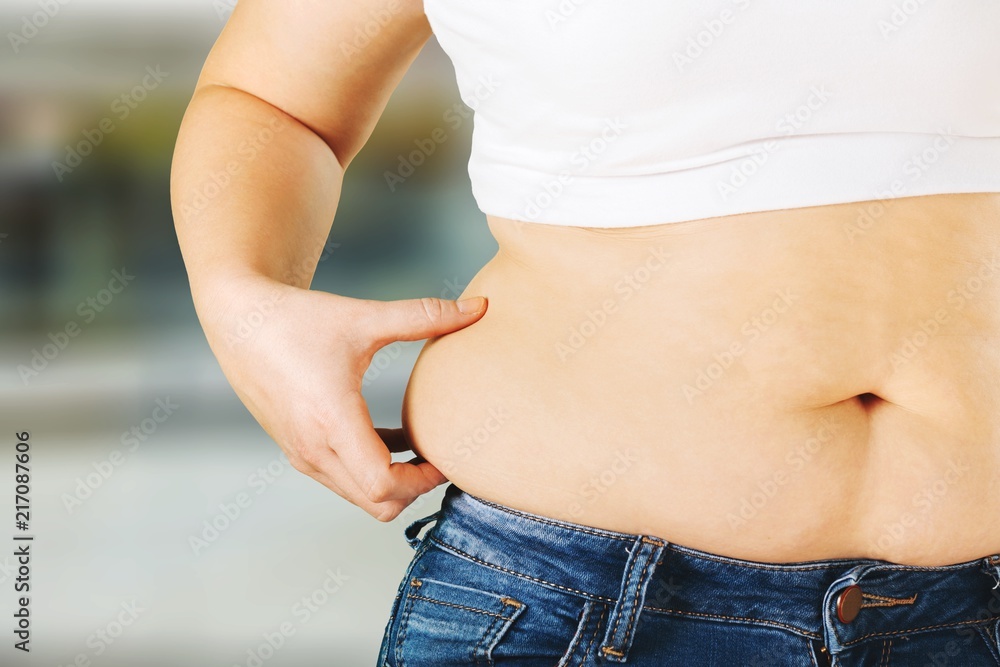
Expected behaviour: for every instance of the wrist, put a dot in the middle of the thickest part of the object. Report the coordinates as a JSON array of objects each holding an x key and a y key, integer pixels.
[{"x": 222, "y": 297}]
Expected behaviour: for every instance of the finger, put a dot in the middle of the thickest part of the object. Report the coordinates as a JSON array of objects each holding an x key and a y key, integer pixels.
[
  {"x": 395, "y": 439},
  {"x": 369, "y": 462},
  {"x": 332, "y": 474},
  {"x": 417, "y": 319}
]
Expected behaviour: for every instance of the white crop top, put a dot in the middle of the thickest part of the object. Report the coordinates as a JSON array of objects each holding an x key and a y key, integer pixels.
[{"x": 616, "y": 113}]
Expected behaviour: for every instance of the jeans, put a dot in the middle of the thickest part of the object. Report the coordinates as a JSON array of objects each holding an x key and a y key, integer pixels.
[{"x": 489, "y": 584}]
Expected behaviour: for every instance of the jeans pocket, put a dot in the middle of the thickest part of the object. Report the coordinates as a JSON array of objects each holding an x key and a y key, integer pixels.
[
  {"x": 962, "y": 646},
  {"x": 445, "y": 625},
  {"x": 586, "y": 634},
  {"x": 384, "y": 650},
  {"x": 991, "y": 635}
]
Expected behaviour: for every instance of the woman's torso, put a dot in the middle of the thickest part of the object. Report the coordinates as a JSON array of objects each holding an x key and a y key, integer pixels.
[{"x": 788, "y": 385}]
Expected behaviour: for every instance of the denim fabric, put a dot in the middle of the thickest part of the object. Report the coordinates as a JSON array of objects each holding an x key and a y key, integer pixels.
[{"x": 491, "y": 585}]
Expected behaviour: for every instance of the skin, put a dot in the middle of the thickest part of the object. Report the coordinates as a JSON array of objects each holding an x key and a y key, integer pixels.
[
  {"x": 836, "y": 427},
  {"x": 281, "y": 111}
]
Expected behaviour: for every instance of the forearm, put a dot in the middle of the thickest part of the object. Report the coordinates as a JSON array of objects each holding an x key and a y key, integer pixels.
[{"x": 254, "y": 193}]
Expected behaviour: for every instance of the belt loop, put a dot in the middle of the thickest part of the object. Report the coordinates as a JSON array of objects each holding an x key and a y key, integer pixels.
[
  {"x": 413, "y": 529},
  {"x": 991, "y": 566},
  {"x": 643, "y": 558}
]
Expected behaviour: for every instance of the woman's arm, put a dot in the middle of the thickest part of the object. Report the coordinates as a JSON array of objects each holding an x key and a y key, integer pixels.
[
  {"x": 290, "y": 69},
  {"x": 288, "y": 96}
]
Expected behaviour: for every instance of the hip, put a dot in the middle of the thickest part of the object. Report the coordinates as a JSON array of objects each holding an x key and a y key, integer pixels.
[{"x": 489, "y": 584}]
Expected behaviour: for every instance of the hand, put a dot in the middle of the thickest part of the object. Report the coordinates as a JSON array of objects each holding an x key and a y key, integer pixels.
[{"x": 296, "y": 358}]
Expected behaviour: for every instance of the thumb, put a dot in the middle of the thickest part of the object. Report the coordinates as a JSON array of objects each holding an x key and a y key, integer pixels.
[{"x": 416, "y": 319}]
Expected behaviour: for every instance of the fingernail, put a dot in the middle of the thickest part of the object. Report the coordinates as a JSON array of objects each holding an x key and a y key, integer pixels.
[{"x": 471, "y": 305}]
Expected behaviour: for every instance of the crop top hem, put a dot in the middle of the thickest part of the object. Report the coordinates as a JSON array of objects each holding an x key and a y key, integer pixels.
[{"x": 774, "y": 174}]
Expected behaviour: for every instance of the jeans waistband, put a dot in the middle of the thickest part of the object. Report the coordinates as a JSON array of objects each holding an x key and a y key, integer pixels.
[{"x": 840, "y": 602}]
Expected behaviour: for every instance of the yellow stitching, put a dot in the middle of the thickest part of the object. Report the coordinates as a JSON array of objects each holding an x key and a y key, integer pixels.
[
  {"x": 885, "y": 603},
  {"x": 578, "y": 635},
  {"x": 752, "y": 621},
  {"x": 883, "y": 598},
  {"x": 889, "y": 653},
  {"x": 445, "y": 545},
  {"x": 628, "y": 575},
  {"x": 461, "y": 606},
  {"x": 841, "y": 562},
  {"x": 597, "y": 629},
  {"x": 635, "y": 603},
  {"x": 559, "y": 524},
  {"x": 607, "y": 649},
  {"x": 901, "y": 632}
]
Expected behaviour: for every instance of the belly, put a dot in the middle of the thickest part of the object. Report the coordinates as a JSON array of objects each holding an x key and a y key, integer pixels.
[{"x": 779, "y": 386}]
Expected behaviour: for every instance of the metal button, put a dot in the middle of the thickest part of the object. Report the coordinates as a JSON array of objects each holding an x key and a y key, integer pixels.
[{"x": 849, "y": 603}]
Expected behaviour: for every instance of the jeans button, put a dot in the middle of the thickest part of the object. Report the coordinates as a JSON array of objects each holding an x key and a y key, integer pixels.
[{"x": 849, "y": 603}]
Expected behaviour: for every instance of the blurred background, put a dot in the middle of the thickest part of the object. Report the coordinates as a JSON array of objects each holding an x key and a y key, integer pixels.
[{"x": 169, "y": 529}]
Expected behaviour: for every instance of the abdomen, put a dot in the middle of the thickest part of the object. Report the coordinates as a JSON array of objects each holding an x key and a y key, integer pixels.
[{"x": 768, "y": 386}]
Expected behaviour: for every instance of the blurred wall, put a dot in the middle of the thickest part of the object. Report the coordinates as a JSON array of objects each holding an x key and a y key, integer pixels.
[{"x": 91, "y": 96}]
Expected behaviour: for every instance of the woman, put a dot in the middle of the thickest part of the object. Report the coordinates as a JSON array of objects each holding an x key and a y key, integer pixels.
[{"x": 734, "y": 397}]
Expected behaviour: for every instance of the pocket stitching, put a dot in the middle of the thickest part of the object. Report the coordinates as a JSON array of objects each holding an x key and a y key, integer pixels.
[
  {"x": 490, "y": 636},
  {"x": 404, "y": 623},
  {"x": 476, "y": 650},
  {"x": 581, "y": 628},
  {"x": 593, "y": 637},
  {"x": 398, "y": 607},
  {"x": 461, "y": 606},
  {"x": 988, "y": 633}
]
